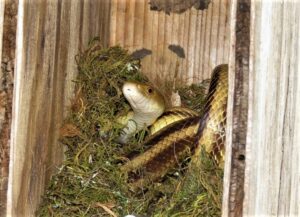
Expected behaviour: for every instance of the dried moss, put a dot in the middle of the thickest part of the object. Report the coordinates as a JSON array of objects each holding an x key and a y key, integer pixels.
[
  {"x": 89, "y": 183},
  {"x": 193, "y": 96}
]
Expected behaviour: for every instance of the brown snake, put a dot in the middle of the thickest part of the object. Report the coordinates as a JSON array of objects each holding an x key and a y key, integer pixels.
[{"x": 181, "y": 132}]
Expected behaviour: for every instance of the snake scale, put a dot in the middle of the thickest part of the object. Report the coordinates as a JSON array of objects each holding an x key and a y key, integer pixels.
[{"x": 181, "y": 132}]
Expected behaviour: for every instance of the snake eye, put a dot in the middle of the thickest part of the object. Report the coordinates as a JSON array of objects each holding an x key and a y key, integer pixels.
[{"x": 150, "y": 90}]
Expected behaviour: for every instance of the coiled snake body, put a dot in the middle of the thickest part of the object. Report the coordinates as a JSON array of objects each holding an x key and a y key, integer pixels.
[{"x": 180, "y": 131}]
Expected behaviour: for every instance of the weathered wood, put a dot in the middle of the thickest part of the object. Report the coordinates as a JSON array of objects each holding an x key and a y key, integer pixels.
[
  {"x": 272, "y": 184},
  {"x": 3, "y": 151},
  {"x": 2, "y": 6},
  {"x": 238, "y": 109},
  {"x": 202, "y": 34},
  {"x": 8, "y": 22},
  {"x": 50, "y": 34}
]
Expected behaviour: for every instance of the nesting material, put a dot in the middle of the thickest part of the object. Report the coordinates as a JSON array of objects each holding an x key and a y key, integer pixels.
[{"x": 89, "y": 182}]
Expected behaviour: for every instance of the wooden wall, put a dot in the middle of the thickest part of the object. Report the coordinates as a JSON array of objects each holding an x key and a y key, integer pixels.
[
  {"x": 264, "y": 88},
  {"x": 272, "y": 183},
  {"x": 3, "y": 177},
  {"x": 49, "y": 35},
  {"x": 203, "y": 34},
  {"x": 8, "y": 14},
  {"x": 2, "y": 4}
]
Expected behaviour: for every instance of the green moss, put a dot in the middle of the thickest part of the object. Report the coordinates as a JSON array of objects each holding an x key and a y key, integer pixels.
[{"x": 89, "y": 182}]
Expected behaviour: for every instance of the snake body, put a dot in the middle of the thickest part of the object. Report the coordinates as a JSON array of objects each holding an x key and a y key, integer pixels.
[{"x": 181, "y": 132}]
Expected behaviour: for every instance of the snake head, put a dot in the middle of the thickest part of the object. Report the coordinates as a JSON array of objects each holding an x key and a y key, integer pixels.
[{"x": 144, "y": 98}]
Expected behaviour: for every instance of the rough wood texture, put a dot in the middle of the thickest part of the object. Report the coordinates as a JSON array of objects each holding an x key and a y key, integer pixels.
[
  {"x": 202, "y": 34},
  {"x": 238, "y": 109},
  {"x": 2, "y": 6},
  {"x": 7, "y": 57},
  {"x": 3, "y": 153},
  {"x": 272, "y": 184},
  {"x": 49, "y": 35}
]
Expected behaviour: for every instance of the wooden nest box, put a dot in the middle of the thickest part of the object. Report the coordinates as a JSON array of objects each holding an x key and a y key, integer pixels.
[{"x": 258, "y": 39}]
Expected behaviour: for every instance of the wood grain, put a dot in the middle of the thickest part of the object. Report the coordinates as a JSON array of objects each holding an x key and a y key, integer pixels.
[
  {"x": 8, "y": 18},
  {"x": 2, "y": 6},
  {"x": 50, "y": 34},
  {"x": 3, "y": 149},
  {"x": 238, "y": 112},
  {"x": 202, "y": 34},
  {"x": 272, "y": 185}
]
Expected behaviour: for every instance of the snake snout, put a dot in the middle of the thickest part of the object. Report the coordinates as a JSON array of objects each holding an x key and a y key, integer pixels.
[{"x": 129, "y": 89}]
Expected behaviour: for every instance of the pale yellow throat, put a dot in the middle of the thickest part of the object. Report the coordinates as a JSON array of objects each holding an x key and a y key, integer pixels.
[{"x": 147, "y": 104}]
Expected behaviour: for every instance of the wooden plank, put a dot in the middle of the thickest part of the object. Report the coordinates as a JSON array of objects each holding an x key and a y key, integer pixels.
[
  {"x": 8, "y": 18},
  {"x": 4, "y": 152},
  {"x": 130, "y": 25},
  {"x": 272, "y": 185},
  {"x": 45, "y": 67},
  {"x": 186, "y": 32},
  {"x": 237, "y": 114},
  {"x": 138, "y": 22},
  {"x": 2, "y": 6}
]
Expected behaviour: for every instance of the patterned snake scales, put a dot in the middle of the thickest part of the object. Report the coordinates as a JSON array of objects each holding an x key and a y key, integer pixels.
[{"x": 176, "y": 132}]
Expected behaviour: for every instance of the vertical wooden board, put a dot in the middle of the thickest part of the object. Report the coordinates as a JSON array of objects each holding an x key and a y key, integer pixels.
[
  {"x": 174, "y": 22},
  {"x": 2, "y": 6},
  {"x": 272, "y": 182},
  {"x": 138, "y": 23},
  {"x": 147, "y": 29},
  {"x": 71, "y": 16},
  {"x": 105, "y": 31},
  {"x": 167, "y": 55},
  {"x": 224, "y": 32},
  {"x": 154, "y": 47},
  {"x": 121, "y": 22},
  {"x": 130, "y": 25},
  {"x": 50, "y": 34},
  {"x": 197, "y": 50},
  {"x": 202, "y": 59},
  {"x": 184, "y": 70},
  {"x": 94, "y": 21},
  {"x": 26, "y": 158},
  {"x": 156, "y": 28},
  {"x": 113, "y": 22},
  {"x": 192, "y": 39},
  {"x": 160, "y": 63},
  {"x": 237, "y": 111},
  {"x": 207, "y": 41},
  {"x": 8, "y": 17}
]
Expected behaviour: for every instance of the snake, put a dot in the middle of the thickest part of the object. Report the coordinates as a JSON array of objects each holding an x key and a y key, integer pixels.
[
  {"x": 147, "y": 105},
  {"x": 180, "y": 132}
]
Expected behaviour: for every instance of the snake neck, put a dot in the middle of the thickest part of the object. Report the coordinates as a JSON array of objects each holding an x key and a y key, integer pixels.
[{"x": 139, "y": 121}]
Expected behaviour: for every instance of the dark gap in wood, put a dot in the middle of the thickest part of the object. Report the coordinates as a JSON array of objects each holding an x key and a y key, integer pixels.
[
  {"x": 6, "y": 94},
  {"x": 240, "y": 108}
]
